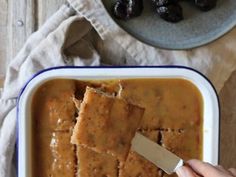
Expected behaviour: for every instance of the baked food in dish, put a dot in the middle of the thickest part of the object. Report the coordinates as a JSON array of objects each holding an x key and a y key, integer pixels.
[
  {"x": 57, "y": 109},
  {"x": 96, "y": 164},
  {"x": 174, "y": 115},
  {"x": 63, "y": 155},
  {"x": 53, "y": 119},
  {"x": 106, "y": 124},
  {"x": 185, "y": 139},
  {"x": 166, "y": 102}
]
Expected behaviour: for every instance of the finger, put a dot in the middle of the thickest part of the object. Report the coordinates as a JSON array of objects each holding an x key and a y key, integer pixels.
[
  {"x": 202, "y": 168},
  {"x": 185, "y": 172},
  {"x": 219, "y": 167},
  {"x": 233, "y": 171},
  {"x": 224, "y": 171}
]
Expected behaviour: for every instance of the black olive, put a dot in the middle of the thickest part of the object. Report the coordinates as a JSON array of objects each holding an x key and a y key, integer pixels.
[
  {"x": 171, "y": 13},
  {"x": 120, "y": 10},
  {"x": 160, "y": 3},
  {"x": 135, "y": 7},
  {"x": 126, "y": 9},
  {"x": 205, "y": 5}
]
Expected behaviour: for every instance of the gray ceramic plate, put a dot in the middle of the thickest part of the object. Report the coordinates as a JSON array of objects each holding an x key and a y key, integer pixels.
[{"x": 198, "y": 28}]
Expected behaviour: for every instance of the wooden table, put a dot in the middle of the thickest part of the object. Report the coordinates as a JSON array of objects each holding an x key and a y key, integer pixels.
[{"x": 18, "y": 19}]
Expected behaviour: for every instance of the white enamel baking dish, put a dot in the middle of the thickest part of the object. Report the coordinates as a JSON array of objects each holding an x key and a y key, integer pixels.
[{"x": 210, "y": 102}]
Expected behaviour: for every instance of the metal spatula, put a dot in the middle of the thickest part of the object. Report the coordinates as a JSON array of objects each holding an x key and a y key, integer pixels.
[{"x": 156, "y": 154}]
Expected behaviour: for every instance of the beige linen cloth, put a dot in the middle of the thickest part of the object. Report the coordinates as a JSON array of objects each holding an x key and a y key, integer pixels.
[{"x": 82, "y": 33}]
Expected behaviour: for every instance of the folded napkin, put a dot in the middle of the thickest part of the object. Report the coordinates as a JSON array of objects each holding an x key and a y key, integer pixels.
[{"x": 82, "y": 33}]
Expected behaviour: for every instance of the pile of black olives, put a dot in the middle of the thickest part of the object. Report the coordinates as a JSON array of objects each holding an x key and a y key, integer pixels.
[{"x": 169, "y": 10}]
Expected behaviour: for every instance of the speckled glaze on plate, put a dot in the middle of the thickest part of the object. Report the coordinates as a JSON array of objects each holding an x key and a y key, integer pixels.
[{"x": 198, "y": 28}]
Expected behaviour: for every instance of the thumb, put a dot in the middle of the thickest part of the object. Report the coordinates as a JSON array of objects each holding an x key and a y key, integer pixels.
[{"x": 185, "y": 171}]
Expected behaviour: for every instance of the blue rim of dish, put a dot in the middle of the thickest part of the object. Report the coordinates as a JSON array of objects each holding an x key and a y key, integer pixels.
[{"x": 108, "y": 67}]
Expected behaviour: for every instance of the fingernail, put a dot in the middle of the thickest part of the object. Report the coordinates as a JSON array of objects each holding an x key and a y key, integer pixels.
[{"x": 181, "y": 172}]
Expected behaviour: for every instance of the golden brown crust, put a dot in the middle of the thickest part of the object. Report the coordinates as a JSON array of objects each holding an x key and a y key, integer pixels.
[
  {"x": 184, "y": 144},
  {"x": 52, "y": 110},
  {"x": 136, "y": 165},
  {"x": 63, "y": 155},
  {"x": 56, "y": 105},
  {"x": 165, "y": 102},
  {"x": 93, "y": 164},
  {"x": 106, "y": 124}
]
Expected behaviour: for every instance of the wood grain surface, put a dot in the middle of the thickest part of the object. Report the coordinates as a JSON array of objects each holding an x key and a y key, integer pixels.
[
  {"x": 228, "y": 123},
  {"x": 18, "y": 19},
  {"x": 3, "y": 35}
]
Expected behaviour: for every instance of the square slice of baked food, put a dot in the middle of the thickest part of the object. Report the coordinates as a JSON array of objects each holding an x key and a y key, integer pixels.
[
  {"x": 91, "y": 163},
  {"x": 53, "y": 104},
  {"x": 106, "y": 124},
  {"x": 185, "y": 144},
  {"x": 63, "y": 153}
]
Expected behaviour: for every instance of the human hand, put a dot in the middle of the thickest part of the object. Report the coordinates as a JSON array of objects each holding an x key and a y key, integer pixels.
[{"x": 195, "y": 168}]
